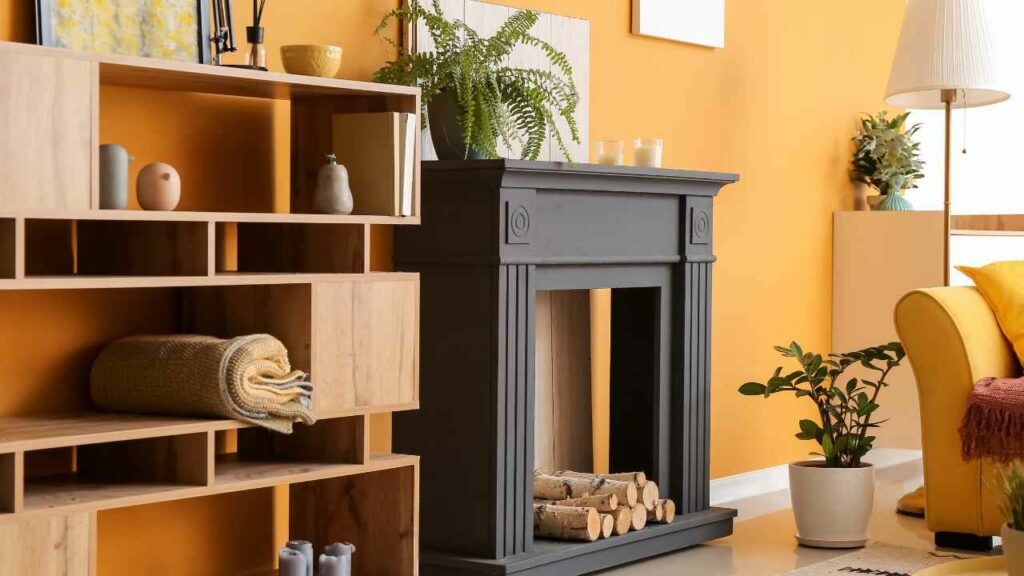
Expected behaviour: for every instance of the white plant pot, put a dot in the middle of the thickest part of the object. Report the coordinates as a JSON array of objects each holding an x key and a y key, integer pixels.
[
  {"x": 832, "y": 505},
  {"x": 1013, "y": 550}
]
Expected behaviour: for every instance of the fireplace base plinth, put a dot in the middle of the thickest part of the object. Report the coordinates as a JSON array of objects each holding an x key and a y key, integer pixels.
[{"x": 552, "y": 558}]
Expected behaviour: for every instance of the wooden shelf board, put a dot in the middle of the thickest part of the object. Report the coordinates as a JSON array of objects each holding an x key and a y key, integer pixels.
[
  {"x": 26, "y": 433},
  {"x": 69, "y": 492},
  {"x": 65, "y": 495},
  {"x": 193, "y": 77},
  {"x": 231, "y": 217},
  {"x": 986, "y": 232},
  {"x": 220, "y": 279}
]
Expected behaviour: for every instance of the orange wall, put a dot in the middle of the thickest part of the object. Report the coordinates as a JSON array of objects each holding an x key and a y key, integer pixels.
[{"x": 777, "y": 106}]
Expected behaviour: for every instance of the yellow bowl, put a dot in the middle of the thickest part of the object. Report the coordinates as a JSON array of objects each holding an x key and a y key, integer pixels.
[{"x": 311, "y": 59}]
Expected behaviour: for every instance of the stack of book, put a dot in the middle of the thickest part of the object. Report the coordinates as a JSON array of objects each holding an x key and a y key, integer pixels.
[{"x": 378, "y": 149}]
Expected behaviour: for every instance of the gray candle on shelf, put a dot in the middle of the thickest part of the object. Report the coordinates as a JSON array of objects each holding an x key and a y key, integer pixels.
[
  {"x": 343, "y": 553},
  {"x": 306, "y": 548},
  {"x": 332, "y": 566},
  {"x": 291, "y": 562}
]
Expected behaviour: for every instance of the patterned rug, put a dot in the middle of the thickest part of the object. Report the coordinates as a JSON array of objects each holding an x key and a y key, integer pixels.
[{"x": 880, "y": 560}]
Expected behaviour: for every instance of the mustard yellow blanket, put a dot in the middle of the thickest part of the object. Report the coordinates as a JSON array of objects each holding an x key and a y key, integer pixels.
[{"x": 247, "y": 378}]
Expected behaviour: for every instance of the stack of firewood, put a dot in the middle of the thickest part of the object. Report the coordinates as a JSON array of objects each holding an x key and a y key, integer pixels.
[{"x": 583, "y": 506}]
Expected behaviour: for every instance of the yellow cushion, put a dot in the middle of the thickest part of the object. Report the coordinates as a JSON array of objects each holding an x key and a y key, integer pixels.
[{"x": 1002, "y": 285}]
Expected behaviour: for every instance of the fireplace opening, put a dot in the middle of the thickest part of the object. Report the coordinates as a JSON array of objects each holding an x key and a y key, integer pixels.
[{"x": 596, "y": 424}]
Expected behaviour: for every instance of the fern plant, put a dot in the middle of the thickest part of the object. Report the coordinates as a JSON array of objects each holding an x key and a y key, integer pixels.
[{"x": 494, "y": 102}]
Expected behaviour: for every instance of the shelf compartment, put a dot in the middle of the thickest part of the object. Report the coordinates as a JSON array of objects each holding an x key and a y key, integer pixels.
[
  {"x": 364, "y": 359},
  {"x": 84, "y": 248},
  {"x": 81, "y": 475},
  {"x": 9, "y": 248},
  {"x": 65, "y": 494},
  {"x": 332, "y": 441},
  {"x": 215, "y": 217},
  {"x": 375, "y": 511},
  {"x": 262, "y": 247},
  {"x": 11, "y": 482}
]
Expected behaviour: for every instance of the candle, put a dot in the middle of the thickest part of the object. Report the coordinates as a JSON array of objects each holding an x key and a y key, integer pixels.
[
  {"x": 291, "y": 563},
  {"x": 342, "y": 552},
  {"x": 332, "y": 566},
  {"x": 610, "y": 152},
  {"x": 306, "y": 549},
  {"x": 648, "y": 152}
]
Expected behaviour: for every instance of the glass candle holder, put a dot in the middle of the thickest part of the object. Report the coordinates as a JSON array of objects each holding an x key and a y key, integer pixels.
[
  {"x": 255, "y": 50},
  {"x": 647, "y": 152},
  {"x": 610, "y": 152}
]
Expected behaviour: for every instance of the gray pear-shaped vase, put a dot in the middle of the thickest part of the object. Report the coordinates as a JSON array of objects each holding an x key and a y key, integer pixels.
[{"x": 332, "y": 195}]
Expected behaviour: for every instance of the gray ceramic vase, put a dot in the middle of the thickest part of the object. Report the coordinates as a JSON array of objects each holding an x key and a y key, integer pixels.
[
  {"x": 114, "y": 161},
  {"x": 332, "y": 195}
]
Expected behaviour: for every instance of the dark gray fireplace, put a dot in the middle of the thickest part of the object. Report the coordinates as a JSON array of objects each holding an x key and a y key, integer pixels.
[{"x": 495, "y": 233}]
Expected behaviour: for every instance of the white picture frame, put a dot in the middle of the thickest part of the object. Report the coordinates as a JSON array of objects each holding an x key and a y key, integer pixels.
[{"x": 700, "y": 22}]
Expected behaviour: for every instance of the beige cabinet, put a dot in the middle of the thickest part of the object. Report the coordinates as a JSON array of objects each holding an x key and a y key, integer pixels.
[{"x": 878, "y": 257}]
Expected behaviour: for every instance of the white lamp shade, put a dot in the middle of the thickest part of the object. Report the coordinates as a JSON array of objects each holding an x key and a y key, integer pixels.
[{"x": 946, "y": 45}]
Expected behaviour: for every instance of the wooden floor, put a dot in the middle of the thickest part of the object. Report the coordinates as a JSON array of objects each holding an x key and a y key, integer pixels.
[{"x": 764, "y": 545}]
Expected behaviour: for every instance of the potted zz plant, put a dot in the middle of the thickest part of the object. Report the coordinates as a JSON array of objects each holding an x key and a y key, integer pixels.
[
  {"x": 832, "y": 495},
  {"x": 887, "y": 158},
  {"x": 1013, "y": 511},
  {"x": 473, "y": 99}
]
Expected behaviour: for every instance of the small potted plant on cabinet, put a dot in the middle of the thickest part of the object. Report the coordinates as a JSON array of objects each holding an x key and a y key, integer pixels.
[
  {"x": 887, "y": 158},
  {"x": 474, "y": 99},
  {"x": 1013, "y": 511},
  {"x": 832, "y": 495}
]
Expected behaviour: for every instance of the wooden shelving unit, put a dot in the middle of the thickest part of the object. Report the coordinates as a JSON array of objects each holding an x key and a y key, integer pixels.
[{"x": 305, "y": 278}]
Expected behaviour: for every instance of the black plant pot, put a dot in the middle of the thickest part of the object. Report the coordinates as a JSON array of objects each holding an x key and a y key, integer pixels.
[{"x": 446, "y": 132}]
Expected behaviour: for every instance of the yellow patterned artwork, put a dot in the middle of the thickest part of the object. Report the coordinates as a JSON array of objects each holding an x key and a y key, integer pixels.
[{"x": 166, "y": 29}]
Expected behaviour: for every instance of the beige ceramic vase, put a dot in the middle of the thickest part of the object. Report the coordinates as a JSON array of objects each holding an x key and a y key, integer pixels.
[
  {"x": 158, "y": 187},
  {"x": 832, "y": 506},
  {"x": 1013, "y": 550}
]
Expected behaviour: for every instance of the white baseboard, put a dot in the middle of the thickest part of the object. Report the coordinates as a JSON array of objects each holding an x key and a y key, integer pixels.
[{"x": 767, "y": 490}]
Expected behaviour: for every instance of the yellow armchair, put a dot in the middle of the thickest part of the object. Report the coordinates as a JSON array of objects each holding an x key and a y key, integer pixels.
[{"x": 953, "y": 340}]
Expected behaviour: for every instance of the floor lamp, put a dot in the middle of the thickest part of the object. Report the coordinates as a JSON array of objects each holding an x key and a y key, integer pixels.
[{"x": 946, "y": 58}]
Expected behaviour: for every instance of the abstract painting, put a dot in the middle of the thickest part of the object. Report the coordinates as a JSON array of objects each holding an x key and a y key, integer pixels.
[{"x": 164, "y": 29}]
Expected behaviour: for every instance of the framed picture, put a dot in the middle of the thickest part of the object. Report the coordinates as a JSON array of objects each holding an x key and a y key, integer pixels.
[
  {"x": 699, "y": 22},
  {"x": 164, "y": 29}
]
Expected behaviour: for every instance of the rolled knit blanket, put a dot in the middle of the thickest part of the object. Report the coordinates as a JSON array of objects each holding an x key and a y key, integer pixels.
[
  {"x": 993, "y": 424},
  {"x": 247, "y": 378}
]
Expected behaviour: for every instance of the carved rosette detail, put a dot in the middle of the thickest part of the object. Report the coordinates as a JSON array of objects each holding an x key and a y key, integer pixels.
[
  {"x": 700, "y": 226},
  {"x": 518, "y": 231}
]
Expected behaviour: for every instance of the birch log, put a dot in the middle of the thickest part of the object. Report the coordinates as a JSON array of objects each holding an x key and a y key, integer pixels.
[
  {"x": 649, "y": 495},
  {"x": 638, "y": 478},
  {"x": 638, "y": 517},
  {"x": 656, "y": 514},
  {"x": 566, "y": 523},
  {"x": 670, "y": 511},
  {"x": 549, "y": 488},
  {"x": 607, "y": 525},
  {"x": 602, "y": 503},
  {"x": 546, "y": 487},
  {"x": 623, "y": 517}
]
